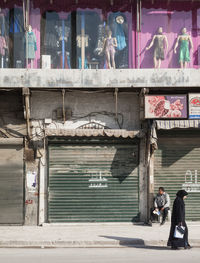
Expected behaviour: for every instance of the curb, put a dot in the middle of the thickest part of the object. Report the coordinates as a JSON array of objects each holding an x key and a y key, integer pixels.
[{"x": 88, "y": 244}]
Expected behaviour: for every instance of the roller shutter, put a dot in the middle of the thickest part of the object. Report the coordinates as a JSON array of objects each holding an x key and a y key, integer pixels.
[
  {"x": 177, "y": 166},
  {"x": 11, "y": 181},
  {"x": 93, "y": 181}
]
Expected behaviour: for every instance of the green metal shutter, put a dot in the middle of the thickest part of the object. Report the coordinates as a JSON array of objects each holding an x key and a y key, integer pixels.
[
  {"x": 11, "y": 182},
  {"x": 175, "y": 161},
  {"x": 93, "y": 182}
]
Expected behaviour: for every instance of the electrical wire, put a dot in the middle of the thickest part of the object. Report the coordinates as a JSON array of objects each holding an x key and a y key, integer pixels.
[{"x": 104, "y": 113}]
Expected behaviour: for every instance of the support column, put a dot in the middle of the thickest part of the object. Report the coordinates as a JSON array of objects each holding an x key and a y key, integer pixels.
[
  {"x": 143, "y": 162},
  {"x": 143, "y": 182}
]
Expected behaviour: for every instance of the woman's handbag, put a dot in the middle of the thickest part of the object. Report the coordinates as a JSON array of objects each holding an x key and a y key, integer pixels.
[{"x": 179, "y": 232}]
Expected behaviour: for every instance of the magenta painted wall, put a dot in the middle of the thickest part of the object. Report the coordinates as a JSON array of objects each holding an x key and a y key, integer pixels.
[
  {"x": 197, "y": 41},
  {"x": 172, "y": 23}
]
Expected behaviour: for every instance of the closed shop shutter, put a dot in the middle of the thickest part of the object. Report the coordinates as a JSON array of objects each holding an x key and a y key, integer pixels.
[
  {"x": 177, "y": 166},
  {"x": 93, "y": 181},
  {"x": 11, "y": 181}
]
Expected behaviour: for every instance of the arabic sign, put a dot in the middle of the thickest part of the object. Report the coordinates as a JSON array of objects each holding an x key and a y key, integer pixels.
[
  {"x": 191, "y": 182},
  {"x": 166, "y": 107},
  {"x": 98, "y": 182},
  {"x": 194, "y": 105}
]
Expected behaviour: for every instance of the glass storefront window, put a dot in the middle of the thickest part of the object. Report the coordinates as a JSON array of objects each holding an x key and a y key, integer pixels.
[
  {"x": 102, "y": 42},
  {"x": 85, "y": 37},
  {"x": 12, "y": 38},
  {"x": 4, "y": 37},
  {"x": 56, "y": 40}
]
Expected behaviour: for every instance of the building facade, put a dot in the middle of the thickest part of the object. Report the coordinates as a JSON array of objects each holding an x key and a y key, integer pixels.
[{"x": 76, "y": 81}]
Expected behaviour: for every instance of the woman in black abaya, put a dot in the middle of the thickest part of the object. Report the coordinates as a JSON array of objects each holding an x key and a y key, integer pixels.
[{"x": 178, "y": 218}]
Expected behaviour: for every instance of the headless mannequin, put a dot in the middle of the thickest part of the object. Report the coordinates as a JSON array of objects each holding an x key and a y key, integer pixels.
[
  {"x": 184, "y": 56},
  {"x": 110, "y": 43},
  {"x": 160, "y": 42}
]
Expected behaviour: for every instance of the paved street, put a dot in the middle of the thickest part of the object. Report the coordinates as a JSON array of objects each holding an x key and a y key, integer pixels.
[{"x": 95, "y": 255}]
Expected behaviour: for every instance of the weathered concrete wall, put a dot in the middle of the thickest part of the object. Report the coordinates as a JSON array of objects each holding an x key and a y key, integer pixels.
[
  {"x": 87, "y": 107},
  {"x": 12, "y": 123},
  {"x": 31, "y": 194},
  {"x": 123, "y": 78}
]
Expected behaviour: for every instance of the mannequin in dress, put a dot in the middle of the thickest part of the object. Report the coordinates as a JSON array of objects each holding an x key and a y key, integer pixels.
[
  {"x": 159, "y": 42},
  {"x": 32, "y": 45},
  {"x": 110, "y": 43},
  {"x": 185, "y": 41}
]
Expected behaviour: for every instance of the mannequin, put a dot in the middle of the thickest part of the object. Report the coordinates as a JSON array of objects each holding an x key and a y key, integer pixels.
[
  {"x": 184, "y": 54},
  {"x": 110, "y": 43},
  {"x": 32, "y": 45},
  {"x": 160, "y": 42},
  {"x": 3, "y": 46}
]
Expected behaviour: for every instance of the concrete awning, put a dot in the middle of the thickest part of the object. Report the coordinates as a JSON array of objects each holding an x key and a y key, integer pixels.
[
  {"x": 173, "y": 124},
  {"x": 92, "y": 132}
]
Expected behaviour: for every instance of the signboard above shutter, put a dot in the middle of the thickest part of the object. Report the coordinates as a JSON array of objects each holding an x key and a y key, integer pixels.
[
  {"x": 165, "y": 106},
  {"x": 194, "y": 106}
]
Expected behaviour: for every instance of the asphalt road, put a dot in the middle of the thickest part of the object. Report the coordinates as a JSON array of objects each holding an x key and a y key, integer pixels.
[{"x": 97, "y": 255}]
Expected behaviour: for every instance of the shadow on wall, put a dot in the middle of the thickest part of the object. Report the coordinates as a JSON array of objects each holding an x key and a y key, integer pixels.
[
  {"x": 11, "y": 114},
  {"x": 124, "y": 167},
  {"x": 125, "y": 163},
  {"x": 174, "y": 153}
]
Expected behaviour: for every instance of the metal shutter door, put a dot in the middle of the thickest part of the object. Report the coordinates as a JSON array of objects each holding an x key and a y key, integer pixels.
[
  {"x": 78, "y": 176},
  {"x": 173, "y": 159},
  {"x": 11, "y": 182}
]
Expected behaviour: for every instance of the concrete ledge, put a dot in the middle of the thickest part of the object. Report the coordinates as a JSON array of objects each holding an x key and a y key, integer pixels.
[{"x": 102, "y": 78}]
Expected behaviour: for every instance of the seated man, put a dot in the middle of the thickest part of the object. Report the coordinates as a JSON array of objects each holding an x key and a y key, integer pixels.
[{"x": 162, "y": 203}]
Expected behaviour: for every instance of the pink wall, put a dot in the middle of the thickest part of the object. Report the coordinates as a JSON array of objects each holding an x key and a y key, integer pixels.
[
  {"x": 172, "y": 23},
  {"x": 197, "y": 42},
  {"x": 35, "y": 23}
]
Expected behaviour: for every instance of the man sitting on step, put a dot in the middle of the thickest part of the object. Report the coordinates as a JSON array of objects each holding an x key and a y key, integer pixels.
[{"x": 162, "y": 203}]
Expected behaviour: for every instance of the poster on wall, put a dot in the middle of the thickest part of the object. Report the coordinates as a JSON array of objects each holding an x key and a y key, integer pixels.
[
  {"x": 194, "y": 105},
  {"x": 31, "y": 181},
  {"x": 165, "y": 106}
]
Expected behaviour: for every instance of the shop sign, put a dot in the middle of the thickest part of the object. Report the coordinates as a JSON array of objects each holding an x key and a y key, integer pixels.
[
  {"x": 166, "y": 107},
  {"x": 194, "y": 106}
]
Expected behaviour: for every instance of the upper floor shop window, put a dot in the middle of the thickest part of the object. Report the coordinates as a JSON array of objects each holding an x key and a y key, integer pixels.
[
  {"x": 18, "y": 43},
  {"x": 169, "y": 35},
  {"x": 86, "y": 39},
  {"x": 12, "y": 38},
  {"x": 56, "y": 40}
]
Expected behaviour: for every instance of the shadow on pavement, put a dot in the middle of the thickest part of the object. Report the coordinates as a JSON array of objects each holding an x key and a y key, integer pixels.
[{"x": 135, "y": 242}]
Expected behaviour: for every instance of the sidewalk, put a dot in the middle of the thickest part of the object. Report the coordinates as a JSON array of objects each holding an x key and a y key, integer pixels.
[{"x": 91, "y": 235}]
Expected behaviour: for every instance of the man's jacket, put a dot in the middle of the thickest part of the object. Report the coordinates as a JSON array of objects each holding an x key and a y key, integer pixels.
[{"x": 162, "y": 201}]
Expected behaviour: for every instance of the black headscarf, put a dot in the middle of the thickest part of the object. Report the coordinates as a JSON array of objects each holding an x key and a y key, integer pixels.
[{"x": 181, "y": 193}]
